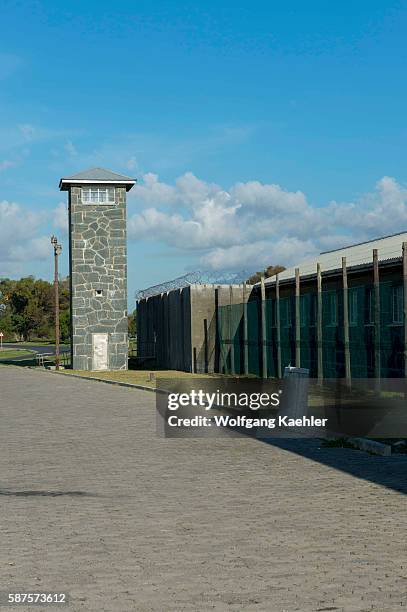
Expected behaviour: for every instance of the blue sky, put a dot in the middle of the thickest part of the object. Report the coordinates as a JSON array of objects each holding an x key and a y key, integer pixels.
[{"x": 260, "y": 132}]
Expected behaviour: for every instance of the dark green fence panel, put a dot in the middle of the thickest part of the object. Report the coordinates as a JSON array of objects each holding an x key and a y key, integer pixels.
[
  {"x": 254, "y": 337},
  {"x": 391, "y": 329},
  {"x": 287, "y": 331},
  {"x": 237, "y": 366},
  {"x": 224, "y": 340},
  {"x": 362, "y": 338},
  {"x": 333, "y": 354},
  {"x": 361, "y": 307},
  {"x": 271, "y": 338},
  {"x": 308, "y": 332}
]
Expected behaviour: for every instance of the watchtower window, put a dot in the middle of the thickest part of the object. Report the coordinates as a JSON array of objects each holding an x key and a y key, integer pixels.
[{"x": 98, "y": 195}]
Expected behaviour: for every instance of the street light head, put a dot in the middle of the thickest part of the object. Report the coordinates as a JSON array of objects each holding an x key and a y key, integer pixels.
[{"x": 54, "y": 240}]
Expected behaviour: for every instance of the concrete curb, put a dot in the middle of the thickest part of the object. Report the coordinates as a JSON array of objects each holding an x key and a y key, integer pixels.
[
  {"x": 109, "y": 382},
  {"x": 371, "y": 446}
]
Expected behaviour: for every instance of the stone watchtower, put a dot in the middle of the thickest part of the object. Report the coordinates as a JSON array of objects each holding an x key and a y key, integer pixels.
[{"x": 98, "y": 268}]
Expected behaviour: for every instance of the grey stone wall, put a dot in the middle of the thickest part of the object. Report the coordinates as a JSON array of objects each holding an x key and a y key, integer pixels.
[{"x": 98, "y": 263}]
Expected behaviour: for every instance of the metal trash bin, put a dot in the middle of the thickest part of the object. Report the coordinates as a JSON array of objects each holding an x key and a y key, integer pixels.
[{"x": 296, "y": 380}]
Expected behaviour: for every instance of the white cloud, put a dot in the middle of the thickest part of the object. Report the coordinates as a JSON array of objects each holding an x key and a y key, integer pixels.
[
  {"x": 60, "y": 217},
  {"x": 271, "y": 197},
  {"x": 248, "y": 226},
  {"x": 151, "y": 190},
  {"x": 33, "y": 249},
  {"x": 19, "y": 241},
  {"x": 193, "y": 191},
  {"x": 256, "y": 255},
  {"x": 381, "y": 212},
  {"x": 254, "y": 224}
]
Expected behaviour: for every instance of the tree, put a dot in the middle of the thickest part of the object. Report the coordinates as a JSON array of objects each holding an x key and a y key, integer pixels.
[
  {"x": 269, "y": 271},
  {"x": 65, "y": 325},
  {"x": 27, "y": 308},
  {"x": 132, "y": 319},
  {"x": 6, "y": 325}
]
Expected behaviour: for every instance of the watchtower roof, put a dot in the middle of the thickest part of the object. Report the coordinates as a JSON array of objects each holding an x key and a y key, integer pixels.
[{"x": 99, "y": 176}]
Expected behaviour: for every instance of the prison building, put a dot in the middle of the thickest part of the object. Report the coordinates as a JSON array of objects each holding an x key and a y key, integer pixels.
[
  {"x": 339, "y": 314},
  {"x": 179, "y": 328}
]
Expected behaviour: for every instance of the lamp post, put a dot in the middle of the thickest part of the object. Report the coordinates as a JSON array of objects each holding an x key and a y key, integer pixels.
[{"x": 57, "y": 252}]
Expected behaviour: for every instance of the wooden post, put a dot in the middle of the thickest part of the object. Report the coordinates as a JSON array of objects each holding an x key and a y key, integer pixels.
[
  {"x": 279, "y": 369},
  {"x": 320, "y": 370},
  {"x": 376, "y": 282},
  {"x": 206, "y": 347},
  {"x": 217, "y": 365},
  {"x": 245, "y": 333},
  {"x": 346, "y": 320},
  {"x": 405, "y": 305},
  {"x": 263, "y": 328},
  {"x": 297, "y": 319},
  {"x": 222, "y": 331},
  {"x": 231, "y": 331}
]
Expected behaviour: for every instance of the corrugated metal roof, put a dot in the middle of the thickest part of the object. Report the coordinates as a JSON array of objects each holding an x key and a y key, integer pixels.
[
  {"x": 96, "y": 175},
  {"x": 388, "y": 247}
]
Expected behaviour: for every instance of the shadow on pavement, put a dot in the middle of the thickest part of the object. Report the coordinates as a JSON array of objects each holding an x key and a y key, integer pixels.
[
  {"x": 390, "y": 472},
  {"x": 46, "y": 493}
]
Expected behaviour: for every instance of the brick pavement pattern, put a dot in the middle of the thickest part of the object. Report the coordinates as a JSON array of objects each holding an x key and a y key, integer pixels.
[{"x": 94, "y": 503}]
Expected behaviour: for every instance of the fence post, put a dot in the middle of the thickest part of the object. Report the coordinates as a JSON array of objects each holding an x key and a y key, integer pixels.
[
  {"x": 223, "y": 331},
  {"x": 279, "y": 369},
  {"x": 245, "y": 330},
  {"x": 346, "y": 320},
  {"x": 231, "y": 333},
  {"x": 405, "y": 304},
  {"x": 297, "y": 319},
  {"x": 320, "y": 371},
  {"x": 217, "y": 333},
  {"x": 206, "y": 346},
  {"x": 263, "y": 328},
  {"x": 376, "y": 282}
]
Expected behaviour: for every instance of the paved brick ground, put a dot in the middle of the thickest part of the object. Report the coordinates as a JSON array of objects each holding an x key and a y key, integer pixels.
[{"x": 92, "y": 502}]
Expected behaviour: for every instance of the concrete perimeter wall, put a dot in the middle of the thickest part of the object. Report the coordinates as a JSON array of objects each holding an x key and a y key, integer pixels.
[
  {"x": 205, "y": 301},
  {"x": 180, "y": 326},
  {"x": 164, "y": 329}
]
